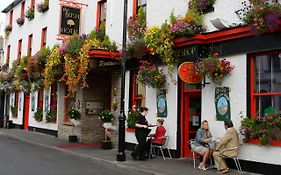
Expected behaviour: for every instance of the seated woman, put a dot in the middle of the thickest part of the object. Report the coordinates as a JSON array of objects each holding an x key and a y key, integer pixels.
[
  {"x": 201, "y": 144},
  {"x": 158, "y": 137}
]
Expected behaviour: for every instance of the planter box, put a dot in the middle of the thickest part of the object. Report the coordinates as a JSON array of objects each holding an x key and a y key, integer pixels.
[
  {"x": 258, "y": 142},
  {"x": 130, "y": 129}
]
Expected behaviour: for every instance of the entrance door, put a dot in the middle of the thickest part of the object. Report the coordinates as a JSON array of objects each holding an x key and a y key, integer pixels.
[
  {"x": 190, "y": 116},
  {"x": 26, "y": 111}
]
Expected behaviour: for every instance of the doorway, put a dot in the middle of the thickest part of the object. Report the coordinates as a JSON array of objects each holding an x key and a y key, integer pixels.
[{"x": 190, "y": 118}]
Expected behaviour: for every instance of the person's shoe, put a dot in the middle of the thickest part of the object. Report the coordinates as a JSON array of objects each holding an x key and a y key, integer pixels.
[
  {"x": 223, "y": 171},
  {"x": 134, "y": 156}
]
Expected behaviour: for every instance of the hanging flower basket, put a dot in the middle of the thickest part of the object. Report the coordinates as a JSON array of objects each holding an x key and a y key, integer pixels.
[
  {"x": 20, "y": 21},
  {"x": 43, "y": 6},
  {"x": 150, "y": 75},
  {"x": 29, "y": 14},
  {"x": 214, "y": 68}
]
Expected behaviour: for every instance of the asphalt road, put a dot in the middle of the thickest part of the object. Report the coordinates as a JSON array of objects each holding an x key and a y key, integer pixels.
[{"x": 21, "y": 158}]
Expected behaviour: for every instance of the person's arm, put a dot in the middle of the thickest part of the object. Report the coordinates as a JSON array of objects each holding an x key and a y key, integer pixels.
[
  {"x": 224, "y": 140},
  {"x": 141, "y": 126}
]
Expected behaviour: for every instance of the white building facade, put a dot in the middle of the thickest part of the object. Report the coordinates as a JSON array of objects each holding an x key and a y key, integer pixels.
[{"x": 186, "y": 104}]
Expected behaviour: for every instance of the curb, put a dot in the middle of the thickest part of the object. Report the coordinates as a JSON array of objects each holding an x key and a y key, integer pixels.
[{"x": 100, "y": 160}]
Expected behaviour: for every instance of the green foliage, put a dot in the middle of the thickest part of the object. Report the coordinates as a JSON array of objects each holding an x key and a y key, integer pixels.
[
  {"x": 38, "y": 115},
  {"x": 106, "y": 116},
  {"x": 14, "y": 111},
  {"x": 132, "y": 118},
  {"x": 265, "y": 128},
  {"x": 51, "y": 115},
  {"x": 74, "y": 45},
  {"x": 29, "y": 14},
  {"x": 74, "y": 114}
]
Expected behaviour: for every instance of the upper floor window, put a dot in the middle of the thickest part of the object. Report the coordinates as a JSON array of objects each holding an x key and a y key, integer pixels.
[
  {"x": 11, "y": 17},
  {"x": 139, "y": 4},
  {"x": 101, "y": 15},
  {"x": 32, "y": 3},
  {"x": 265, "y": 82},
  {"x": 8, "y": 54},
  {"x": 22, "y": 9},
  {"x": 19, "y": 48},
  {"x": 29, "y": 45},
  {"x": 137, "y": 90},
  {"x": 44, "y": 37}
]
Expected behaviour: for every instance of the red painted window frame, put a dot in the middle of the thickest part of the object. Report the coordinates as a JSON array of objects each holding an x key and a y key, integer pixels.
[
  {"x": 19, "y": 49},
  {"x": 22, "y": 9},
  {"x": 133, "y": 91},
  {"x": 16, "y": 99},
  {"x": 40, "y": 98},
  {"x": 253, "y": 94},
  {"x": 32, "y": 3},
  {"x": 43, "y": 37},
  {"x": 29, "y": 44},
  {"x": 136, "y": 7},
  {"x": 8, "y": 54},
  {"x": 98, "y": 20},
  {"x": 11, "y": 18}
]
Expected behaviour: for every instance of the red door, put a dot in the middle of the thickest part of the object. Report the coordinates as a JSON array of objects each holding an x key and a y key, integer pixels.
[
  {"x": 26, "y": 111},
  {"x": 190, "y": 116}
]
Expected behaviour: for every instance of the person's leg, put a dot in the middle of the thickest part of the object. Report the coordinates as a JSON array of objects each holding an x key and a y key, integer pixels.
[
  {"x": 141, "y": 147},
  {"x": 205, "y": 158},
  {"x": 219, "y": 161}
]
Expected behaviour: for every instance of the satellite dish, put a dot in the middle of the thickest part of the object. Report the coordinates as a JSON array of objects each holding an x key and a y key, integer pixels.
[{"x": 219, "y": 23}]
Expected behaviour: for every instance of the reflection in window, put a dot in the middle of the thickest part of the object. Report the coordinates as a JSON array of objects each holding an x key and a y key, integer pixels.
[
  {"x": 142, "y": 3},
  {"x": 138, "y": 91}
]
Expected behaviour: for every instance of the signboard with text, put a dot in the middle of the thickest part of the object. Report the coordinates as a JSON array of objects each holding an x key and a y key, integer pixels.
[{"x": 70, "y": 20}]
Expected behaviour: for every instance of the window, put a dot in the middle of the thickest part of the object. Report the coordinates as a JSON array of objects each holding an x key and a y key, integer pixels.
[
  {"x": 137, "y": 91},
  {"x": 11, "y": 18},
  {"x": 54, "y": 96},
  {"x": 101, "y": 15},
  {"x": 138, "y": 4},
  {"x": 40, "y": 98},
  {"x": 8, "y": 54},
  {"x": 265, "y": 82},
  {"x": 32, "y": 3},
  {"x": 43, "y": 37},
  {"x": 22, "y": 9},
  {"x": 29, "y": 45},
  {"x": 19, "y": 48}
]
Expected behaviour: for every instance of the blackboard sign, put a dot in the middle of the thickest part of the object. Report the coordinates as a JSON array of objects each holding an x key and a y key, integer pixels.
[{"x": 70, "y": 21}]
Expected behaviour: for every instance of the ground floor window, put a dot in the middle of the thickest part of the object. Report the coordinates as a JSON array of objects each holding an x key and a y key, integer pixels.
[
  {"x": 138, "y": 91},
  {"x": 265, "y": 82}
]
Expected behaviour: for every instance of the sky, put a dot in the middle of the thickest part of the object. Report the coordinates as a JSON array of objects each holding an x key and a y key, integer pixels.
[{"x": 3, "y": 4}]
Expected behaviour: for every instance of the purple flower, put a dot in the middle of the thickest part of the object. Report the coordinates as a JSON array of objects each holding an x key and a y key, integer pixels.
[
  {"x": 62, "y": 49},
  {"x": 271, "y": 20}
]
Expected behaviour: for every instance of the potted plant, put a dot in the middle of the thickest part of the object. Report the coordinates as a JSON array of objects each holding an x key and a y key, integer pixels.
[
  {"x": 38, "y": 115},
  {"x": 132, "y": 117},
  {"x": 43, "y": 6},
  {"x": 203, "y": 6},
  {"x": 14, "y": 111},
  {"x": 51, "y": 115},
  {"x": 74, "y": 116},
  {"x": 20, "y": 21},
  {"x": 106, "y": 116}
]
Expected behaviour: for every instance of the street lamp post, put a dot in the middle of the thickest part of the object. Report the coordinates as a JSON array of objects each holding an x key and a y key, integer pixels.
[{"x": 121, "y": 156}]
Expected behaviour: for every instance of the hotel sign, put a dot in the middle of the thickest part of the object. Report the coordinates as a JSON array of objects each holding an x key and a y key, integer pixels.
[{"x": 70, "y": 20}]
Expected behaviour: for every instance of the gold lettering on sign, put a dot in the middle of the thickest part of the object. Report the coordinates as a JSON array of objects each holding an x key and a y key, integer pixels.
[
  {"x": 68, "y": 30},
  {"x": 186, "y": 52}
]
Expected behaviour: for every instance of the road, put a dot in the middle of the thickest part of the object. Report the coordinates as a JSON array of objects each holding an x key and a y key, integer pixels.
[{"x": 21, "y": 158}]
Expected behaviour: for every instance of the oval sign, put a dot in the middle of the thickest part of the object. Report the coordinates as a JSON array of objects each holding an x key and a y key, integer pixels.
[{"x": 188, "y": 73}]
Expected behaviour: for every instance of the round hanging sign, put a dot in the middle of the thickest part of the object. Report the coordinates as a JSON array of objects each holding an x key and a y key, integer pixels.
[{"x": 188, "y": 73}]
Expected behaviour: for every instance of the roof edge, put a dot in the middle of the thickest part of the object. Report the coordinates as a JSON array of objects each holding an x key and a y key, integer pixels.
[{"x": 12, "y": 5}]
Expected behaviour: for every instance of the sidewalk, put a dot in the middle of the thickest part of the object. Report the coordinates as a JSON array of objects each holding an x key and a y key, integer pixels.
[{"x": 156, "y": 166}]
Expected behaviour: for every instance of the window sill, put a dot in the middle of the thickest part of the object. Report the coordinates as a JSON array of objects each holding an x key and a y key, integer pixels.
[
  {"x": 258, "y": 142},
  {"x": 130, "y": 129}
]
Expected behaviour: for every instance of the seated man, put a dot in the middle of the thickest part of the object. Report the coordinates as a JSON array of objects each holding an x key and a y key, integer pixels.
[{"x": 230, "y": 140}]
